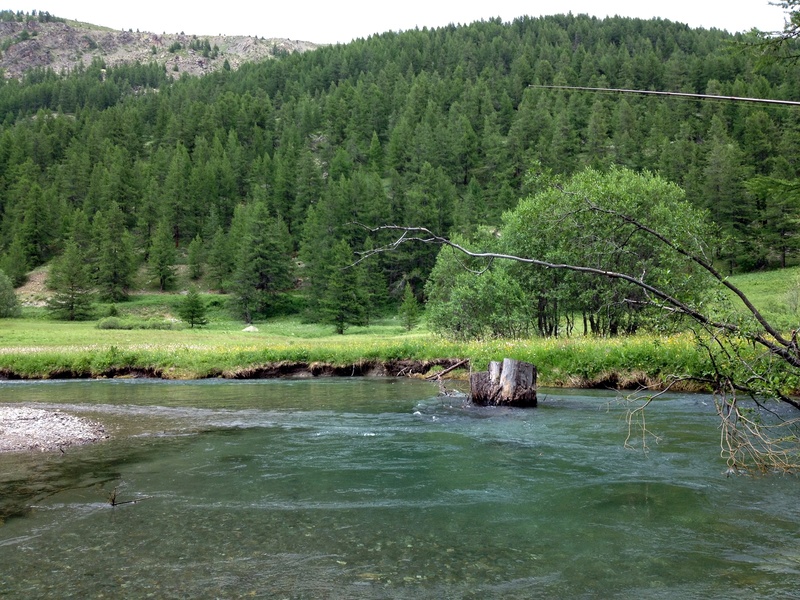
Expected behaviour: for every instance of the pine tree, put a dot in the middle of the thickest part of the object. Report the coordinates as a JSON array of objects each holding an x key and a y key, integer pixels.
[
  {"x": 372, "y": 283},
  {"x": 409, "y": 309},
  {"x": 161, "y": 262},
  {"x": 38, "y": 216},
  {"x": 71, "y": 284},
  {"x": 192, "y": 309},
  {"x": 195, "y": 258},
  {"x": 220, "y": 261},
  {"x": 114, "y": 255},
  {"x": 263, "y": 265},
  {"x": 341, "y": 304},
  {"x": 14, "y": 263}
]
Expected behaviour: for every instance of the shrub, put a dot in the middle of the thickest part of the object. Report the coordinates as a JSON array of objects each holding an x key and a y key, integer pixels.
[
  {"x": 9, "y": 306},
  {"x": 117, "y": 323}
]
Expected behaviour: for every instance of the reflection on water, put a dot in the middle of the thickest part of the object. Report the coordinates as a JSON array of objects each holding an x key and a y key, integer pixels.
[{"x": 378, "y": 489}]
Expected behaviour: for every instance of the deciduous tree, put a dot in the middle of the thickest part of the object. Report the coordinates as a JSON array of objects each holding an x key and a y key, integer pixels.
[{"x": 635, "y": 232}]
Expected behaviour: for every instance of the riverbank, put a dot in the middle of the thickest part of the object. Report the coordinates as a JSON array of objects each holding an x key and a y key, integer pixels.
[
  {"x": 39, "y": 349},
  {"x": 274, "y": 370},
  {"x": 33, "y": 429}
]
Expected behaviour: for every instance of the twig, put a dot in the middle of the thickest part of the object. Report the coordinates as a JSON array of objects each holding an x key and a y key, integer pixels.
[
  {"x": 447, "y": 370},
  {"x": 112, "y": 499}
]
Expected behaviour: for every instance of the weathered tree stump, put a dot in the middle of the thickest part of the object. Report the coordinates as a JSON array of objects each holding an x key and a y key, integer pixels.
[{"x": 512, "y": 383}]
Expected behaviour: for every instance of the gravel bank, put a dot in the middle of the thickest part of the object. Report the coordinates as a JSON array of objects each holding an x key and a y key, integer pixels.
[{"x": 23, "y": 428}]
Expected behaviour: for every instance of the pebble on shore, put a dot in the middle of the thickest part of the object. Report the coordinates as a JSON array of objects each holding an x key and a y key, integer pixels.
[{"x": 23, "y": 428}]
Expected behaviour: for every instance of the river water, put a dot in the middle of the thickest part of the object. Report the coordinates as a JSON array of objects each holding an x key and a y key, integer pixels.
[{"x": 377, "y": 488}]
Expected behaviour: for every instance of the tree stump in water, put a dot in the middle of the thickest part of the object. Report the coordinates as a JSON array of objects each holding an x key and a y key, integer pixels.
[{"x": 512, "y": 383}]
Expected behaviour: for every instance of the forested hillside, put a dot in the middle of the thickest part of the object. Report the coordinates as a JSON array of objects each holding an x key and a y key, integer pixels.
[{"x": 255, "y": 176}]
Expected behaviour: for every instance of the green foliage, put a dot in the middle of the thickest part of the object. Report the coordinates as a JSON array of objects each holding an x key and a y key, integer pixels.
[
  {"x": 195, "y": 258},
  {"x": 220, "y": 261},
  {"x": 465, "y": 305},
  {"x": 9, "y": 305},
  {"x": 341, "y": 304},
  {"x": 192, "y": 309},
  {"x": 42, "y": 16},
  {"x": 161, "y": 262},
  {"x": 132, "y": 323},
  {"x": 435, "y": 127},
  {"x": 115, "y": 265},
  {"x": 263, "y": 264},
  {"x": 14, "y": 263},
  {"x": 594, "y": 219},
  {"x": 71, "y": 283},
  {"x": 409, "y": 309},
  {"x": 203, "y": 46}
]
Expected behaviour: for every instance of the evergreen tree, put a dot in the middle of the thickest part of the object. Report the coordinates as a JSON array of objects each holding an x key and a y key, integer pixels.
[
  {"x": 9, "y": 305},
  {"x": 14, "y": 263},
  {"x": 192, "y": 309},
  {"x": 115, "y": 257},
  {"x": 322, "y": 227},
  {"x": 372, "y": 283},
  {"x": 263, "y": 265},
  {"x": 176, "y": 200},
  {"x": 220, "y": 261},
  {"x": 195, "y": 258},
  {"x": 341, "y": 304},
  {"x": 409, "y": 309},
  {"x": 71, "y": 283},
  {"x": 161, "y": 262}
]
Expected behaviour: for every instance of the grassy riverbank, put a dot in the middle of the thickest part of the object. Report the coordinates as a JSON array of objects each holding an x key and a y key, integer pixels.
[{"x": 36, "y": 348}]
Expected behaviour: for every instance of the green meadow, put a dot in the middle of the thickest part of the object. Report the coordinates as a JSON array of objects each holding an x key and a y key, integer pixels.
[{"x": 36, "y": 346}]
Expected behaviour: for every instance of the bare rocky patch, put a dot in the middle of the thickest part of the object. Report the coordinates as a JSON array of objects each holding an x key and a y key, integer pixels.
[
  {"x": 34, "y": 291},
  {"x": 65, "y": 46}
]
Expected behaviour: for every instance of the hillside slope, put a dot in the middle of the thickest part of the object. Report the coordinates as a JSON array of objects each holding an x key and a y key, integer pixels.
[{"x": 65, "y": 45}]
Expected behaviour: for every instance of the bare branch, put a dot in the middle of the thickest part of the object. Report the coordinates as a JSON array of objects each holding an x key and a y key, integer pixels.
[
  {"x": 705, "y": 265},
  {"x": 771, "y": 339},
  {"x": 426, "y": 236}
]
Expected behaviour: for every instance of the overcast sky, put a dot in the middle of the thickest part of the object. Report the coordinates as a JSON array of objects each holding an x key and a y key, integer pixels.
[{"x": 329, "y": 21}]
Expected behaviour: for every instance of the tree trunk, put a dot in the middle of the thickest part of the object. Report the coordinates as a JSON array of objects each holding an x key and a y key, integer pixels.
[{"x": 511, "y": 384}]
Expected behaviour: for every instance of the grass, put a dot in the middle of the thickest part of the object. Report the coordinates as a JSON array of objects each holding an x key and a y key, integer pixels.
[
  {"x": 775, "y": 293},
  {"x": 38, "y": 347}
]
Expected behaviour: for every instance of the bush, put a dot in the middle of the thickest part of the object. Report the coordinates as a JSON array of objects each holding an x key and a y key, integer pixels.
[
  {"x": 117, "y": 323},
  {"x": 9, "y": 306}
]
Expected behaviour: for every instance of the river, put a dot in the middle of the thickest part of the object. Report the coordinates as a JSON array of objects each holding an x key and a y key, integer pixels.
[{"x": 377, "y": 488}]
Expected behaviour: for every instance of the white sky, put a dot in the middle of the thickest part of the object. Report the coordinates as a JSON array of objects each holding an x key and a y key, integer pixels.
[{"x": 343, "y": 20}]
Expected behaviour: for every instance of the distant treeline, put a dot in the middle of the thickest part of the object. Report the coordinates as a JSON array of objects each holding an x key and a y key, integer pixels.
[{"x": 42, "y": 16}]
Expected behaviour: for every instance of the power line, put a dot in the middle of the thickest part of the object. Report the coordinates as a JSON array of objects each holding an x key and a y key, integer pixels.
[{"x": 677, "y": 94}]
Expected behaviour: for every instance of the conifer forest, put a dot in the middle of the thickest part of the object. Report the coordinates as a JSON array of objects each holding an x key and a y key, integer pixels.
[{"x": 257, "y": 178}]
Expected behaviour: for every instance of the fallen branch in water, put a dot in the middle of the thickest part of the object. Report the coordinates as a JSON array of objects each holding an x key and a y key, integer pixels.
[{"x": 112, "y": 499}]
